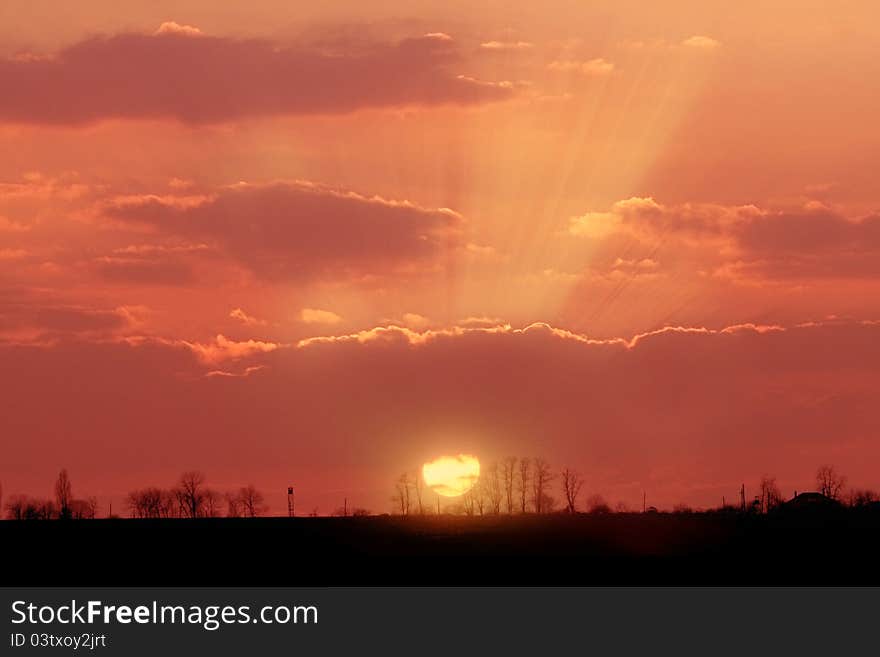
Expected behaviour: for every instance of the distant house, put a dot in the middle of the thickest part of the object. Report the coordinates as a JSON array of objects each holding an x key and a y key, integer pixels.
[{"x": 810, "y": 501}]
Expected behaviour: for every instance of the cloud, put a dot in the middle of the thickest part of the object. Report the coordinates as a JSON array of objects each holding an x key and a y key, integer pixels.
[
  {"x": 170, "y": 27},
  {"x": 180, "y": 73},
  {"x": 244, "y": 318},
  {"x": 809, "y": 241},
  {"x": 302, "y": 230},
  {"x": 701, "y": 42},
  {"x": 506, "y": 45},
  {"x": 415, "y": 320},
  {"x": 31, "y": 320},
  {"x": 317, "y": 316},
  {"x": 247, "y": 371},
  {"x": 592, "y": 67},
  {"x": 223, "y": 349},
  {"x": 155, "y": 270},
  {"x": 661, "y": 409}
]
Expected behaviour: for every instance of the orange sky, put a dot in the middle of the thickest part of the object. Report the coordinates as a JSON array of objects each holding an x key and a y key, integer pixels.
[{"x": 639, "y": 240}]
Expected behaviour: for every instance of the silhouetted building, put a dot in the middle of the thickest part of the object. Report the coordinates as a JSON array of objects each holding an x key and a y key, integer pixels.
[{"x": 809, "y": 501}]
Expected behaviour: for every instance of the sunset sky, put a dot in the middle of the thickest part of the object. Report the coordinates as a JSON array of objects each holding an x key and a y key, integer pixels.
[{"x": 294, "y": 244}]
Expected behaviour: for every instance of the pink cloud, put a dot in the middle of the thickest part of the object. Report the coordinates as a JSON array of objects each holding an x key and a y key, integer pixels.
[
  {"x": 302, "y": 230},
  {"x": 807, "y": 242},
  {"x": 182, "y": 74}
]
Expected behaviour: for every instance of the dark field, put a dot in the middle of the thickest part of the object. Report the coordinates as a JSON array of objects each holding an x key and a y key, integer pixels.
[{"x": 832, "y": 547}]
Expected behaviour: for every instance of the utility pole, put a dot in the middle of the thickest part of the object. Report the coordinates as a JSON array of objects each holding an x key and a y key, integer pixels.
[
  {"x": 290, "y": 502},
  {"x": 345, "y": 507},
  {"x": 742, "y": 498},
  {"x": 644, "y": 502}
]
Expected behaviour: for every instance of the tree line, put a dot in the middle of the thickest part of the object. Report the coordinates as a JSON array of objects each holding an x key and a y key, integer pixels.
[
  {"x": 190, "y": 497},
  {"x": 513, "y": 485},
  {"x": 525, "y": 485},
  {"x": 64, "y": 505}
]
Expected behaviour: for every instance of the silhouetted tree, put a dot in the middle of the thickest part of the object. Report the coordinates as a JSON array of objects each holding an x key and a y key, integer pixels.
[
  {"x": 359, "y": 512},
  {"x": 770, "y": 495},
  {"x": 468, "y": 503},
  {"x": 524, "y": 476},
  {"x": 22, "y": 507},
  {"x": 830, "y": 482},
  {"x": 862, "y": 497},
  {"x": 233, "y": 505},
  {"x": 548, "y": 503},
  {"x": 571, "y": 487},
  {"x": 494, "y": 492},
  {"x": 191, "y": 494},
  {"x": 479, "y": 495},
  {"x": 508, "y": 476},
  {"x": 252, "y": 502},
  {"x": 418, "y": 487},
  {"x": 63, "y": 495},
  {"x": 541, "y": 478},
  {"x": 16, "y": 507},
  {"x": 212, "y": 501},
  {"x": 147, "y": 503},
  {"x": 169, "y": 507},
  {"x": 402, "y": 495}
]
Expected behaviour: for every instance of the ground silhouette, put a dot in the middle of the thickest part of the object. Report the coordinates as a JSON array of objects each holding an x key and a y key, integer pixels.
[{"x": 795, "y": 545}]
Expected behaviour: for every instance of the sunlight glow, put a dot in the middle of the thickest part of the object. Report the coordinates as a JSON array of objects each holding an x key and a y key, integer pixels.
[{"x": 452, "y": 476}]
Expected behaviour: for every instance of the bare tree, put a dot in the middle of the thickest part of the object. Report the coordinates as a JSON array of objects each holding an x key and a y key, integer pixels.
[
  {"x": 191, "y": 494},
  {"x": 524, "y": 476},
  {"x": 494, "y": 492},
  {"x": 16, "y": 507},
  {"x": 541, "y": 478},
  {"x": 862, "y": 497},
  {"x": 134, "y": 504},
  {"x": 168, "y": 505},
  {"x": 63, "y": 494},
  {"x": 251, "y": 501},
  {"x": 402, "y": 495},
  {"x": 479, "y": 495},
  {"x": 468, "y": 502},
  {"x": 771, "y": 496},
  {"x": 146, "y": 503},
  {"x": 830, "y": 482},
  {"x": 22, "y": 507},
  {"x": 233, "y": 505},
  {"x": 572, "y": 483},
  {"x": 418, "y": 487},
  {"x": 212, "y": 503},
  {"x": 508, "y": 476}
]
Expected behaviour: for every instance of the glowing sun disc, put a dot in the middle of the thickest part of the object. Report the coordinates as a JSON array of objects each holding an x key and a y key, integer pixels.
[{"x": 451, "y": 476}]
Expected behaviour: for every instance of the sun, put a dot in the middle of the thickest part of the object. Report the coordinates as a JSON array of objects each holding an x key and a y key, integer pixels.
[{"x": 452, "y": 476}]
